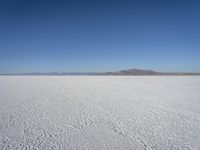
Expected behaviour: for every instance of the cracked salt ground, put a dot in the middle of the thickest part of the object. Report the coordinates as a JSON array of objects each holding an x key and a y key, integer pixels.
[{"x": 98, "y": 113}]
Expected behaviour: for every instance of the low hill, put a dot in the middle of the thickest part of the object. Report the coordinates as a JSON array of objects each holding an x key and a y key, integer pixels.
[{"x": 133, "y": 71}]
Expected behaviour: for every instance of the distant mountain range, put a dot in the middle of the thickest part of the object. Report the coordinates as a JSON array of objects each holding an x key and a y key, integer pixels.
[
  {"x": 130, "y": 72},
  {"x": 135, "y": 71}
]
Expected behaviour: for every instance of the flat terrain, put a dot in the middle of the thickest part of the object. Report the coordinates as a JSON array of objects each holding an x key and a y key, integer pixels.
[{"x": 100, "y": 112}]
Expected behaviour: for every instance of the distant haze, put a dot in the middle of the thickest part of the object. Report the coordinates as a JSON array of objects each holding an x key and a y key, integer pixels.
[
  {"x": 99, "y": 35},
  {"x": 126, "y": 72}
]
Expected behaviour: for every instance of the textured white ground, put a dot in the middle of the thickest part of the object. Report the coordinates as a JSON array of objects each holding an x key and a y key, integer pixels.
[{"x": 99, "y": 113}]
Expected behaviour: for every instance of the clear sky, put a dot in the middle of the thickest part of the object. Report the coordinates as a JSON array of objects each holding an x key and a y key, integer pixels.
[{"x": 99, "y": 35}]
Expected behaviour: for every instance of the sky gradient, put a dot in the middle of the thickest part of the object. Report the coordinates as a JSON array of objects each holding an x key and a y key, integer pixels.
[{"x": 103, "y": 35}]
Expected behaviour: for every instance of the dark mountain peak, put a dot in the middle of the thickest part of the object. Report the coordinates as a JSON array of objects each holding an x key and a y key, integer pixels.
[{"x": 135, "y": 71}]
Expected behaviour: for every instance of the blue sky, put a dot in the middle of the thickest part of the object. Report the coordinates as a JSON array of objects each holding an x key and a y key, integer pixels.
[{"x": 99, "y": 35}]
